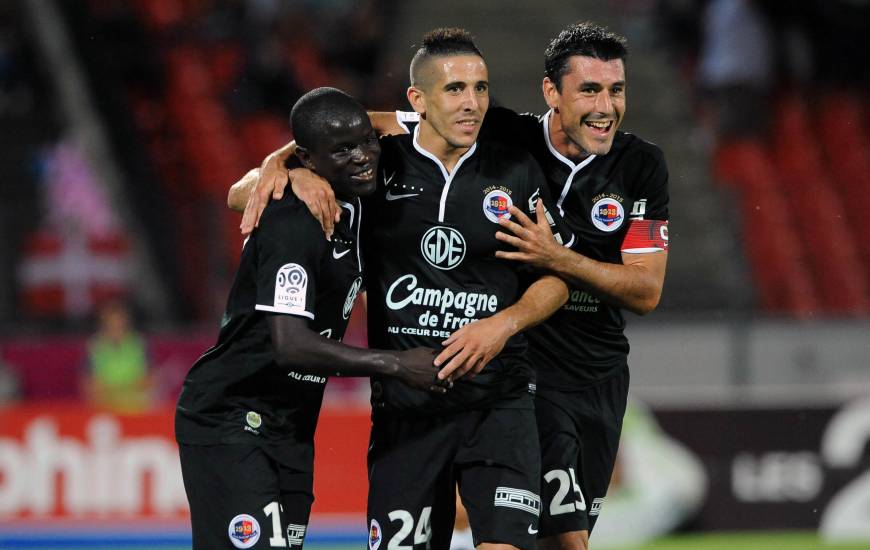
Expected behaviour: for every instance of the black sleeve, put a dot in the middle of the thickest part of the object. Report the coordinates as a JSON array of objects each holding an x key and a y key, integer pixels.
[
  {"x": 289, "y": 247},
  {"x": 506, "y": 126},
  {"x": 652, "y": 183}
]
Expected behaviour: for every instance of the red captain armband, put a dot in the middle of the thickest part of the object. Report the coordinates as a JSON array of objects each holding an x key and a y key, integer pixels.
[{"x": 645, "y": 236}]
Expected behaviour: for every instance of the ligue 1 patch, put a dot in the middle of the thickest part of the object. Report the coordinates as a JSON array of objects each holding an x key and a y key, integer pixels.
[
  {"x": 496, "y": 205},
  {"x": 608, "y": 214},
  {"x": 291, "y": 284},
  {"x": 374, "y": 535},
  {"x": 244, "y": 531},
  {"x": 254, "y": 419}
]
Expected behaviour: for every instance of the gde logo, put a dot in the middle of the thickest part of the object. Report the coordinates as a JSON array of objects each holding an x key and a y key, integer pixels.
[{"x": 443, "y": 247}]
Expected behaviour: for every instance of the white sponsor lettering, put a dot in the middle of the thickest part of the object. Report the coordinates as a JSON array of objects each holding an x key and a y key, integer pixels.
[
  {"x": 777, "y": 477},
  {"x": 443, "y": 247},
  {"x": 519, "y": 499},
  {"x": 102, "y": 473},
  {"x": 404, "y": 292}
]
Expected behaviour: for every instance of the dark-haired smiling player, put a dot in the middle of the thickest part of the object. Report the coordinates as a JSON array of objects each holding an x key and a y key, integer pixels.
[
  {"x": 611, "y": 190},
  {"x": 247, "y": 412}
]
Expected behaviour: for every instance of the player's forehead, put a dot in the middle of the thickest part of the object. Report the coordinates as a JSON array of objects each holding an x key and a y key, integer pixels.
[
  {"x": 350, "y": 128},
  {"x": 466, "y": 68},
  {"x": 583, "y": 68}
]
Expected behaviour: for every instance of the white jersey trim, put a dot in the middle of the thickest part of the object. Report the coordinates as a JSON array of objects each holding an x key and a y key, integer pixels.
[
  {"x": 406, "y": 116},
  {"x": 448, "y": 177},
  {"x": 574, "y": 167},
  {"x": 352, "y": 209},
  {"x": 287, "y": 310}
]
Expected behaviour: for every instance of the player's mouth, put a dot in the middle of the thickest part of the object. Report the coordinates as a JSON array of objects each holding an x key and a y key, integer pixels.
[
  {"x": 364, "y": 176},
  {"x": 599, "y": 127},
  {"x": 468, "y": 125}
]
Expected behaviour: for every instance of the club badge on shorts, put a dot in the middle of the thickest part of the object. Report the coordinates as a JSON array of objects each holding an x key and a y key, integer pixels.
[
  {"x": 244, "y": 531},
  {"x": 374, "y": 535}
]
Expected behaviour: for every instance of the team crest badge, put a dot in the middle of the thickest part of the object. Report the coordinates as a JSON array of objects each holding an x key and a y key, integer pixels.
[
  {"x": 608, "y": 214},
  {"x": 244, "y": 531},
  {"x": 496, "y": 205},
  {"x": 374, "y": 535}
]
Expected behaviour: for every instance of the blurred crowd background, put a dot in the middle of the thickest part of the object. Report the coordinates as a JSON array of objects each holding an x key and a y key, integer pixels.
[{"x": 125, "y": 122}]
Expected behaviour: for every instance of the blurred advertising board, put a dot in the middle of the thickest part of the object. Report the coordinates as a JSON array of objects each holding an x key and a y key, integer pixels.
[
  {"x": 780, "y": 468},
  {"x": 73, "y": 470}
]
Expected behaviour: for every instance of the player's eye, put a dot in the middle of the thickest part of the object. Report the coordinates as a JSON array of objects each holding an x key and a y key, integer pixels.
[{"x": 482, "y": 88}]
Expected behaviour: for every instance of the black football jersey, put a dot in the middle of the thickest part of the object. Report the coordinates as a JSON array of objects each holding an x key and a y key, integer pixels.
[
  {"x": 430, "y": 263},
  {"x": 235, "y": 392},
  {"x": 599, "y": 199}
]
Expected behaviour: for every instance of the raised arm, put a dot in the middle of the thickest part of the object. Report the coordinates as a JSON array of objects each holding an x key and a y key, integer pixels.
[
  {"x": 635, "y": 285},
  {"x": 298, "y": 347},
  {"x": 473, "y": 346}
]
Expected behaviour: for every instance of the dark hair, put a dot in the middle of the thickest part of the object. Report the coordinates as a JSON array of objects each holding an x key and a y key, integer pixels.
[
  {"x": 584, "y": 38},
  {"x": 316, "y": 114},
  {"x": 441, "y": 42}
]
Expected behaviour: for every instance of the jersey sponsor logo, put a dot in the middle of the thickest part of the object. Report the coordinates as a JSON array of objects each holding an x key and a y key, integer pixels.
[
  {"x": 596, "y": 506},
  {"x": 295, "y": 534},
  {"x": 582, "y": 302},
  {"x": 520, "y": 499},
  {"x": 351, "y": 297},
  {"x": 254, "y": 419},
  {"x": 394, "y": 197},
  {"x": 448, "y": 310},
  {"x": 244, "y": 531},
  {"x": 608, "y": 214},
  {"x": 307, "y": 377},
  {"x": 496, "y": 204},
  {"x": 374, "y": 535},
  {"x": 443, "y": 247},
  {"x": 291, "y": 284}
]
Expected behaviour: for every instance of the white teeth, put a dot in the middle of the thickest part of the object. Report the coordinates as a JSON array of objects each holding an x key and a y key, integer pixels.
[{"x": 600, "y": 124}]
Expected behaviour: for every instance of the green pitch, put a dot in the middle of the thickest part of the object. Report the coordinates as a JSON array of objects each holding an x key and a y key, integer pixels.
[{"x": 744, "y": 541}]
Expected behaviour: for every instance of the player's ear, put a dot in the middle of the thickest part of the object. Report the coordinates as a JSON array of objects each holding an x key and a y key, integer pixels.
[
  {"x": 551, "y": 94},
  {"x": 304, "y": 156},
  {"x": 417, "y": 100}
]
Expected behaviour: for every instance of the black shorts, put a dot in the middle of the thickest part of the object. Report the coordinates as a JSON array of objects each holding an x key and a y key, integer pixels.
[
  {"x": 240, "y": 497},
  {"x": 579, "y": 434},
  {"x": 415, "y": 464}
]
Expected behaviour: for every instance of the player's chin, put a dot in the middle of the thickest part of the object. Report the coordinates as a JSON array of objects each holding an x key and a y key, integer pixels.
[{"x": 366, "y": 189}]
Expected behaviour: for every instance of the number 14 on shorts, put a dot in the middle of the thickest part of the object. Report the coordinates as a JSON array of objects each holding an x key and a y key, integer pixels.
[{"x": 567, "y": 480}]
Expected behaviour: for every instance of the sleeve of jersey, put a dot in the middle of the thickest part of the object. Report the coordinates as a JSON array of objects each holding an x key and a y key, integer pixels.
[
  {"x": 287, "y": 266},
  {"x": 407, "y": 120},
  {"x": 648, "y": 218},
  {"x": 506, "y": 126}
]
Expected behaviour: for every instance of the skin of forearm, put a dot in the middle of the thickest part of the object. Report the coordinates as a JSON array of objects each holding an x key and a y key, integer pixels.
[
  {"x": 241, "y": 190},
  {"x": 538, "y": 302},
  {"x": 632, "y": 287},
  {"x": 304, "y": 350}
]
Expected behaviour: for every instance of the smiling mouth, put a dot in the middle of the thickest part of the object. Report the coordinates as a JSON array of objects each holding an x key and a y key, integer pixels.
[
  {"x": 364, "y": 176},
  {"x": 599, "y": 126},
  {"x": 467, "y": 124}
]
